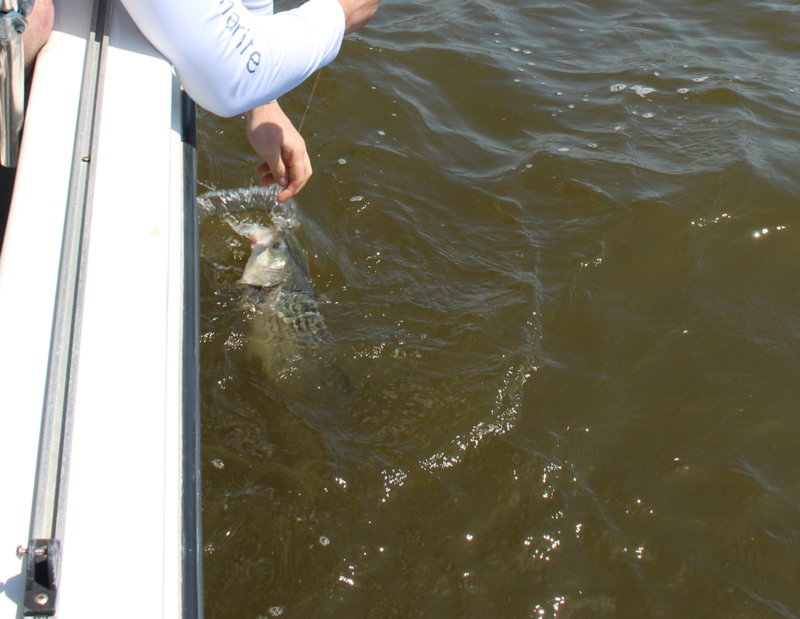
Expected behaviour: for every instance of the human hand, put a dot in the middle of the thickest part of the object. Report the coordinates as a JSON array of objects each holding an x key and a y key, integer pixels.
[
  {"x": 357, "y": 13},
  {"x": 283, "y": 149}
]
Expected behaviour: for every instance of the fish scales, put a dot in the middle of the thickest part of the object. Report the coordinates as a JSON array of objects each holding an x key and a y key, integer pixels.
[
  {"x": 286, "y": 329},
  {"x": 290, "y": 315}
]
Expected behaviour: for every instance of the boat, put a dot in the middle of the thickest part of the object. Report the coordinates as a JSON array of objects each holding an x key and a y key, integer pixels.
[{"x": 99, "y": 404}]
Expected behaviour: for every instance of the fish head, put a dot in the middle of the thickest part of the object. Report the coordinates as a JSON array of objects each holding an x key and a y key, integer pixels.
[{"x": 270, "y": 259}]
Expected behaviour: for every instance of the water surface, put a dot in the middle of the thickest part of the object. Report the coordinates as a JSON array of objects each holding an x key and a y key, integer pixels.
[{"x": 559, "y": 247}]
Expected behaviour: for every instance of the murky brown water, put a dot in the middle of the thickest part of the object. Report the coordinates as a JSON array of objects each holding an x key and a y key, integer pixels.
[{"x": 569, "y": 305}]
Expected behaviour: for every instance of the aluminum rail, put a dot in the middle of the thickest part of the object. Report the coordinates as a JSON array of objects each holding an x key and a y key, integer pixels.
[
  {"x": 90, "y": 441},
  {"x": 52, "y": 476}
]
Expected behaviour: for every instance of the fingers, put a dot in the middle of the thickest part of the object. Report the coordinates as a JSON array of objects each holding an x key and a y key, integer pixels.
[
  {"x": 267, "y": 177},
  {"x": 265, "y": 130},
  {"x": 273, "y": 166},
  {"x": 267, "y": 180},
  {"x": 299, "y": 173},
  {"x": 277, "y": 142}
]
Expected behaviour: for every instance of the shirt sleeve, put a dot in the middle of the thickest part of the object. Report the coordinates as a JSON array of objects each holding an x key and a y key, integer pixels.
[
  {"x": 231, "y": 59},
  {"x": 258, "y": 7}
]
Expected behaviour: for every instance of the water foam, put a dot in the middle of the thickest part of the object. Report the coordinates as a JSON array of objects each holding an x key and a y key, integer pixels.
[
  {"x": 642, "y": 91},
  {"x": 250, "y": 201}
]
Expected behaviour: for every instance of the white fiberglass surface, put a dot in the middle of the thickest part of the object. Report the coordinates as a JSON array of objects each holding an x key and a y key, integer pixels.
[
  {"x": 28, "y": 276},
  {"x": 124, "y": 483},
  {"x": 123, "y": 480}
]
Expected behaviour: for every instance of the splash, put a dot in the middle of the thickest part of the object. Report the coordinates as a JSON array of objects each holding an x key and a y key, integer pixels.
[{"x": 250, "y": 201}]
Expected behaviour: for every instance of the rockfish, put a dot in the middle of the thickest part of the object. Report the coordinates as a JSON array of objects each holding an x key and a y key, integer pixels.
[{"x": 286, "y": 330}]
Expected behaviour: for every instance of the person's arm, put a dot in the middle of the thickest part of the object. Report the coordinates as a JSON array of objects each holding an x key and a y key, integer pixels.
[
  {"x": 230, "y": 59},
  {"x": 234, "y": 55},
  {"x": 271, "y": 133},
  {"x": 40, "y": 25}
]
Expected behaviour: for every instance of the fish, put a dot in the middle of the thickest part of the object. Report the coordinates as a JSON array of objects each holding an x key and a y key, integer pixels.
[{"x": 286, "y": 330}]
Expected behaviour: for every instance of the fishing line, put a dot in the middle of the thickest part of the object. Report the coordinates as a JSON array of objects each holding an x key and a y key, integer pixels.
[{"x": 308, "y": 105}]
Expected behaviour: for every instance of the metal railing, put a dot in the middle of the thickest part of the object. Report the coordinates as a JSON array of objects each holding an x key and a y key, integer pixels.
[{"x": 13, "y": 22}]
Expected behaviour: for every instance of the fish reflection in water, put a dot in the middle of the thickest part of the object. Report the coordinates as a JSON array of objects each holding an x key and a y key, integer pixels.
[{"x": 286, "y": 331}]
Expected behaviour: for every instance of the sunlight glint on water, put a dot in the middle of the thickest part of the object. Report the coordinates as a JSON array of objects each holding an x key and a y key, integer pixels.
[{"x": 558, "y": 246}]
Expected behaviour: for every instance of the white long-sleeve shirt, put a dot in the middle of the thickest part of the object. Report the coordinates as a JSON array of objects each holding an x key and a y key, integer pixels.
[{"x": 234, "y": 55}]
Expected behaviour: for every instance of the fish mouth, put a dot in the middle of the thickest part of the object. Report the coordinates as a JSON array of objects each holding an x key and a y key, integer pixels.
[
  {"x": 263, "y": 236},
  {"x": 261, "y": 286}
]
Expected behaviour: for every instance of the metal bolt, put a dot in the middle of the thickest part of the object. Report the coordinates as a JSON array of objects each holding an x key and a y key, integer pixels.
[
  {"x": 42, "y": 599},
  {"x": 85, "y": 158},
  {"x": 22, "y": 551}
]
